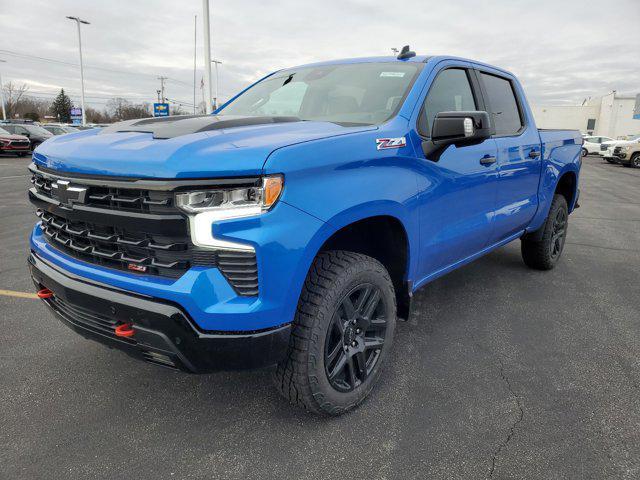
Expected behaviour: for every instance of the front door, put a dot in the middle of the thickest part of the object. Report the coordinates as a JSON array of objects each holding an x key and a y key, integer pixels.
[{"x": 457, "y": 192}]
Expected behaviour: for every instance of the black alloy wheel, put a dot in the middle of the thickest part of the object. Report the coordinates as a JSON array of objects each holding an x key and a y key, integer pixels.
[
  {"x": 558, "y": 234},
  {"x": 355, "y": 338}
]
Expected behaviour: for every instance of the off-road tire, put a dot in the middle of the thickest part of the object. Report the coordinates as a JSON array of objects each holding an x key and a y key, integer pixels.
[
  {"x": 538, "y": 248},
  {"x": 301, "y": 377}
]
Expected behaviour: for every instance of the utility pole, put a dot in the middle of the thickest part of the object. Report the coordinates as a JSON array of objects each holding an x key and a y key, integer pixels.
[
  {"x": 207, "y": 55},
  {"x": 195, "y": 53},
  {"x": 4, "y": 112},
  {"x": 215, "y": 99},
  {"x": 78, "y": 21},
  {"x": 162, "y": 79}
]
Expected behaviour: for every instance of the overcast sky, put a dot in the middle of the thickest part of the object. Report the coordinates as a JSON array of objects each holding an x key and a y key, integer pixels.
[{"x": 562, "y": 50}]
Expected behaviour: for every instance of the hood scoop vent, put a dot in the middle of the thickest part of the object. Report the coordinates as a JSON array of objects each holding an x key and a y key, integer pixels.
[{"x": 176, "y": 126}]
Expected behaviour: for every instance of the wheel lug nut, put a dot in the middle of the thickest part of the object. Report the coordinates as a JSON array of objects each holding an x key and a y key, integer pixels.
[
  {"x": 358, "y": 330},
  {"x": 354, "y": 343}
]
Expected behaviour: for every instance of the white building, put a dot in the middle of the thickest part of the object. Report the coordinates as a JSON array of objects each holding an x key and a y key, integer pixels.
[{"x": 611, "y": 115}]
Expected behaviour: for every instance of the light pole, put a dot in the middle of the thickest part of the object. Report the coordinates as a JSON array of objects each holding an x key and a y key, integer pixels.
[
  {"x": 207, "y": 54},
  {"x": 217, "y": 62},
  {"x": 78, "y": 21},
  {"x": 4, "y": 112}
]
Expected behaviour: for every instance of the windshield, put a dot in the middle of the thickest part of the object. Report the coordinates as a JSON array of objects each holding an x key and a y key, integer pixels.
[
  {"x": 362, "y": 93},
  {"x": 4, "y": 132},
  {"x": 36, "y": 129},
  {"x": 633, "y": 137}
]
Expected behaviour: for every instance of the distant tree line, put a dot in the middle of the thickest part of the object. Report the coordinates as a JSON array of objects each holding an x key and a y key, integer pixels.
[{"x": 19, "y": 104}]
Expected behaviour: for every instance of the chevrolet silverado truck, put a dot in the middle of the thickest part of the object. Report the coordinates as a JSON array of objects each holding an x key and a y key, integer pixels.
[{"x": 292, "y": 227}]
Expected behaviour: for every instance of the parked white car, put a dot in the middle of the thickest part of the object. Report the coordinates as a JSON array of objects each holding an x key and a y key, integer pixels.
[
  {"x": 607, "y": 148},
  {"x": 592, "y": 144}
]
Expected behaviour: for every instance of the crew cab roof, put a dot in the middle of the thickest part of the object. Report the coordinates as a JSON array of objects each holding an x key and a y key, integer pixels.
[{"x": 417, "y": 59}]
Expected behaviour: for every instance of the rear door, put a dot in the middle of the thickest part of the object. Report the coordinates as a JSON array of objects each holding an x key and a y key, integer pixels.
[
  {"x": 519, "y": 155},
  {"x": 457, "y": 192}
]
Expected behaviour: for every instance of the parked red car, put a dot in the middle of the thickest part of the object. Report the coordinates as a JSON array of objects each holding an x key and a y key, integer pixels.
[{"x": 14, "y": 144}]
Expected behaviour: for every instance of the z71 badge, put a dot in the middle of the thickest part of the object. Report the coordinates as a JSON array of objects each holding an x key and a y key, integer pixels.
[{"x": 384, "y": 143}]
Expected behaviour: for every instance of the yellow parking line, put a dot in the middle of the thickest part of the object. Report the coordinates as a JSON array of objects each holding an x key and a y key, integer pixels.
[{"x": 11, "y": 293}]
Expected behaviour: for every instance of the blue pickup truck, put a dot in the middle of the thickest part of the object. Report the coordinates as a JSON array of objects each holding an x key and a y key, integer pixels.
[{"x": 292, "y": 227}]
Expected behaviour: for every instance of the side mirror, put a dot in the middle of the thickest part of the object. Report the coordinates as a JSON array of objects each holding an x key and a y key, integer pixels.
[
  {"x": 456, "y": 128},
  {"x": 27, "y": 134}
]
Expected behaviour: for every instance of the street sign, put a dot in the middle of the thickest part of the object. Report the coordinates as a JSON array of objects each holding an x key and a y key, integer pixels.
[
  {"x": 76, "y": 121},
  {"x": 76, "y": 112},
  {"x": 160, "y": 109}
]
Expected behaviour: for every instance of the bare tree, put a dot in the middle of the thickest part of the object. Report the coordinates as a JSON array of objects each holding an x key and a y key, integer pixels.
[
  {"x": 122, "y": 109},
  {"x": 12, "y": 95}
]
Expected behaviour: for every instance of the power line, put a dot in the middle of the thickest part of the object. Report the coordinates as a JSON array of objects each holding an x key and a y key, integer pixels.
[{"x": 76, "y": 65}]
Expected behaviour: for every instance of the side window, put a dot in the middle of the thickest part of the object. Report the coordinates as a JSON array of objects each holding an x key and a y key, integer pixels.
[
  {"x": 450, "y": 92},
  {"x": 503, "y": 104}
]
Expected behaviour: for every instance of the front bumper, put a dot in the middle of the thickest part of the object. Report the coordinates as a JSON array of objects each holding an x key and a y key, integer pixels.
[{"x": 164, "y": 333}]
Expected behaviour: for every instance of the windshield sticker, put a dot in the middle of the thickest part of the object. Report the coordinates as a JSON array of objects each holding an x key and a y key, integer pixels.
[{"x": 392, "y": 74}]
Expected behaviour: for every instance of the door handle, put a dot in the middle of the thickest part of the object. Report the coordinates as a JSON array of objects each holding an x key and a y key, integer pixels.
[
  {"x": 487, "y": 160},
  {"x": 534, "y": 154}
]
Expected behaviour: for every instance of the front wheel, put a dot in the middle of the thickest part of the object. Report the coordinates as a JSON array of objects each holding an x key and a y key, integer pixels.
[
  {"x": 542, "y": 249},
  {"x": 342, "y": 333},
  {"x": 585, "y": 152},
  {"x": 610, "y": 160},
  {"x": 634, "y": 161}
]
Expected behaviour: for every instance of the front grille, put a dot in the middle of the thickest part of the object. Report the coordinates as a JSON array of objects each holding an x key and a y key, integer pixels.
[
  {"x": 125, "y": 199},
  {"x": 132, "y": 229},
  {"x": 117, "y": 247}
]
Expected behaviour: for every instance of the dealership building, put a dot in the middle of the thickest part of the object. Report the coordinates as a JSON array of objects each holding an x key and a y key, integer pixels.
[{"x": 613, "y": 115}]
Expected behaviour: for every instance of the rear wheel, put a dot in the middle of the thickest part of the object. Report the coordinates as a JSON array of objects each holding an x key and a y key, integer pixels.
[
  {"x": 634, "y": 162},
  {"x": 541, "y": 250},
  {"x": 342, "y": 333}
]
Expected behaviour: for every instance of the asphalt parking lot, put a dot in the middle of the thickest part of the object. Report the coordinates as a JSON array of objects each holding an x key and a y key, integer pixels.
[{"x": 502, "y": 372}]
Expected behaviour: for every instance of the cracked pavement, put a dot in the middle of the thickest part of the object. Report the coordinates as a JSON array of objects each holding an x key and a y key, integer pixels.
[{"x": 501, "y": 372}]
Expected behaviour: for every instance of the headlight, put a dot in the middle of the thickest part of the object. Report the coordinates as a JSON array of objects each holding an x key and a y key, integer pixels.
[{"x": 205, "y": 207}]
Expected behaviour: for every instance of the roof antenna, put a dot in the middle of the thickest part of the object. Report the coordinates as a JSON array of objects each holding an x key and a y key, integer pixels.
[{"x": 406, "y": 53}]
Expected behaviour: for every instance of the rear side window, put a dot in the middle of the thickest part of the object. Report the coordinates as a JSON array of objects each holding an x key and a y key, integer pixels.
[
  {"x": 450, "y": 92},
  {"x": 503, "y": 104}
]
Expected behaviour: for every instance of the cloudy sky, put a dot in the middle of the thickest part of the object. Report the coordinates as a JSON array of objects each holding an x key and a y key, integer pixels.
[{"x": 562, "y": 50}]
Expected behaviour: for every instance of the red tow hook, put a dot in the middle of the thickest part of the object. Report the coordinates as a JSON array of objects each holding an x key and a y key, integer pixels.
[
  {"x": 45, "y": 293},
  {"x": 125, "y": 330}
]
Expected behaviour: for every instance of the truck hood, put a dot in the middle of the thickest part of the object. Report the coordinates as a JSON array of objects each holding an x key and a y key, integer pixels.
[{"x": 182, "y": 146}]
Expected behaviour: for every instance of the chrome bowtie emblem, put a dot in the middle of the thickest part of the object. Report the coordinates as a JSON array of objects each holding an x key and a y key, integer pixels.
[{"x": 68, "y": 194}]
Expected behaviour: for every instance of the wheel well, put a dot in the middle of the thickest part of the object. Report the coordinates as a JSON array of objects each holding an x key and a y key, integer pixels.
[
  {"x": 385, "y": 239},
  {"x": 567, "y": 187}
]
